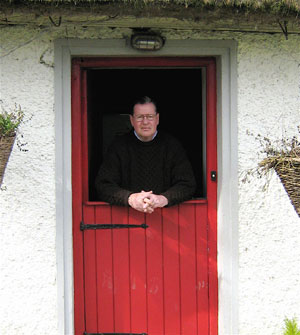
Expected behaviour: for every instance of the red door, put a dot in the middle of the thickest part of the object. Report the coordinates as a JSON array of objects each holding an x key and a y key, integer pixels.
[{"x": 138, "y": 273}]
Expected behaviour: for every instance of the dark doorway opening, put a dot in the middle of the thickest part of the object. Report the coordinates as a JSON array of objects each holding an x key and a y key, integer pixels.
[{"x": 178, "y": 93}]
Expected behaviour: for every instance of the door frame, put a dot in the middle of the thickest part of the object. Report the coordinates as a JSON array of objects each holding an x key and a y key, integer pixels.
[{"x": 225, "y": 51}]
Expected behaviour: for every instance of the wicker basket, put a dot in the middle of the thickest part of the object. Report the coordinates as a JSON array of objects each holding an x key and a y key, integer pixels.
[
  {"x": 287, "y": 167},
  {"x": 289, "y": 173},
  {"x": 6, "y": 144}
]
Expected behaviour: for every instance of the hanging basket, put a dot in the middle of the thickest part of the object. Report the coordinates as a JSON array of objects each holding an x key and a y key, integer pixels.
[
  {"x": 289, "y": 174},
  {"x": 6, "y": 144},
  {"x": 287, "y": 168}
]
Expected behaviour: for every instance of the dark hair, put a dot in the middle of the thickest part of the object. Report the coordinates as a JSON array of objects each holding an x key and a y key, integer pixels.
[{"x": 143, "y": 100}]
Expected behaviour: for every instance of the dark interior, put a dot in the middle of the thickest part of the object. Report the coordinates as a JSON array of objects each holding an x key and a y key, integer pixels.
[{"x": 178, "y": 94}]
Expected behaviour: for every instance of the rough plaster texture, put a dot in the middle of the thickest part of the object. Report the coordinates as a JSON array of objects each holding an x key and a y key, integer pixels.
[
  {"x": 269, "y": 229},
  {"x": 27, "y": 199}
]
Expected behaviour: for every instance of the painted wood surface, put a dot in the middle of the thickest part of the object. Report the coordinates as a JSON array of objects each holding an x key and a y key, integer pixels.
[{"x": 152, "y": 280}]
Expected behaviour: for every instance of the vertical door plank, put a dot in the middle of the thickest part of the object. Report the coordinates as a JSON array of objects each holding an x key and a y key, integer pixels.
[
  {"x": 155, "y": 273},
  {"x": 188, "y": 269},
  {"x": 105, "y": 283},
  {"x": 90, "y": 271},
  {"x": 138, "y": 279},
  {"x": 121, "y": 268},
  {"x": 171, "y": 270},
  {"x": 202, "y": 268}
]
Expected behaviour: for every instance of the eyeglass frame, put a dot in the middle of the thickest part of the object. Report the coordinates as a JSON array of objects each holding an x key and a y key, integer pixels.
[{"x": 143, "y": 116}]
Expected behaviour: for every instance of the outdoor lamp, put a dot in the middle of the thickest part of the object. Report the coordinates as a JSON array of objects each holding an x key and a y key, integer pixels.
[{"x": 148, "y": 42}]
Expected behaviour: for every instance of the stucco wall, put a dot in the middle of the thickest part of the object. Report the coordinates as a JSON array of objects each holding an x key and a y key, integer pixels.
[
  {"x": 269, "y": 229},
  {"x": 27, "y": 199}
]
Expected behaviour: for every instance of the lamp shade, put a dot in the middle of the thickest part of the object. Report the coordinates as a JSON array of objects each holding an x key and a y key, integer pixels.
[{"x": 148, "y": 42}]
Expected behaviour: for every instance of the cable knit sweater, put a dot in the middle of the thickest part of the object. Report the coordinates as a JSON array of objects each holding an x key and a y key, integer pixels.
[{"x": 131, "y": 166}]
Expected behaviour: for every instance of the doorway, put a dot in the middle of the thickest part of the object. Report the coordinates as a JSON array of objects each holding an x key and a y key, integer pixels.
[{"x": 177, "y": 289}]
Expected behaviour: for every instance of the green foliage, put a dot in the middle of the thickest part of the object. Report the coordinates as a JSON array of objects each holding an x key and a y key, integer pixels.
[
  {"x": 9, "y": 122},
  {"x": 291, "y": 327}
]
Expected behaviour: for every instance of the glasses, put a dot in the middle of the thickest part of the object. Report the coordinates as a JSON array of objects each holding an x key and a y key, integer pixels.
[{"x": 149, "y": 117}]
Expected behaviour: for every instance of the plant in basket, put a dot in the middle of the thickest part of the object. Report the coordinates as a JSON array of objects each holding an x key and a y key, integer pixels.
[
  {"x": 9, "y": 123},
  {"x": 283, "y": 157}
]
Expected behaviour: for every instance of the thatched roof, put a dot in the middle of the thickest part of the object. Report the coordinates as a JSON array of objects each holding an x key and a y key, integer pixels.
[
  {"x": 276, "y": 6},
  {"x": 263, "y": 15}
]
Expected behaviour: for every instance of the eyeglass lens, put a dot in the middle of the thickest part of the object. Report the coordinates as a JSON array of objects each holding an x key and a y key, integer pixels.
[{"x": 149, "y": 117}]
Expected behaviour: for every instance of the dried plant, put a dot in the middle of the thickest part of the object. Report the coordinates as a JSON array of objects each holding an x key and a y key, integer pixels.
[
  {"x": 284, "y": 151},
  {"x": 283, "y": 157}
]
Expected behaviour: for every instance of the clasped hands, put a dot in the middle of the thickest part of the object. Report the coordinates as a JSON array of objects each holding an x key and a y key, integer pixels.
[{"x": 146, "y": 201}]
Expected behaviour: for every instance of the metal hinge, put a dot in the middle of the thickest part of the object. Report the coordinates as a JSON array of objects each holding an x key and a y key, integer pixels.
[
  {"x": 111, "y": 226},
  {"x": 85, "y": 333}
]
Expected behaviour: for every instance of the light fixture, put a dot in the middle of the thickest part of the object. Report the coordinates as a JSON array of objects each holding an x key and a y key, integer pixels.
[{"x": 147, "y": 41}]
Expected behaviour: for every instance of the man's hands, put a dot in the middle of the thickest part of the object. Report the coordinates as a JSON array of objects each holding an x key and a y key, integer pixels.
[
  {"x": 146, "y": 201},
  {"x": 154, "y": 201}
]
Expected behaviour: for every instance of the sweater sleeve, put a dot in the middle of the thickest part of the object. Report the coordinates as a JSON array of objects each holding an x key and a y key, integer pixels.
[
  {"x": 108, "y": 180},
  {"x": 183, "y": 183}
]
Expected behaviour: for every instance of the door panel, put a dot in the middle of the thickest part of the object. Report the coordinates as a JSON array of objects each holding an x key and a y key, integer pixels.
[{"x": 151, "y": 280}]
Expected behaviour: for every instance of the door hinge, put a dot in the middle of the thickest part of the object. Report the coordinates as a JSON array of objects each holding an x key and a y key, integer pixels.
[{"x": 111, "y": 226}]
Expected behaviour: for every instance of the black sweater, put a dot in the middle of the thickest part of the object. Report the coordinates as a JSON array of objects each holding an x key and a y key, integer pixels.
[{"x": 131, "y": 166}]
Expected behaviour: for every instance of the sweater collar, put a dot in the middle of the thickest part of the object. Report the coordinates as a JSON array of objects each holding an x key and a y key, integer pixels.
[{"x": 141, "y": 139}]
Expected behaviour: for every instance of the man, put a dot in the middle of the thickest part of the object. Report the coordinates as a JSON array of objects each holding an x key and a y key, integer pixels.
[{"x": 145, "y": 168}]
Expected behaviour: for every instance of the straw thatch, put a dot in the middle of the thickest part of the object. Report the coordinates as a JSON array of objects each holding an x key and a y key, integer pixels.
[
  {"x": 238, "y": 13},
  {"x": 186, "y": 3},
  {"x": 267, "y": 6},
  {"x": 266, "y": 16},
  {"x": 287, "y": 167}
]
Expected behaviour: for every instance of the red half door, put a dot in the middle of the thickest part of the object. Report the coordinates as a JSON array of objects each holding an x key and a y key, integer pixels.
[{"x": 137, "y": 273}]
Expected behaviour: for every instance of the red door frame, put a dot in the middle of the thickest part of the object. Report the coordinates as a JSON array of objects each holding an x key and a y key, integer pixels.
[{"x": 80, "y": 174}]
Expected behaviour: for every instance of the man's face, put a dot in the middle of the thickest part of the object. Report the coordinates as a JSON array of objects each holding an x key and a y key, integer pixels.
[{"x": 145, "y": 120}]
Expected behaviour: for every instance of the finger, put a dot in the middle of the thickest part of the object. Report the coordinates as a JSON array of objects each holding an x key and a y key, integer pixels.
[{"x": 149, "y": 210}]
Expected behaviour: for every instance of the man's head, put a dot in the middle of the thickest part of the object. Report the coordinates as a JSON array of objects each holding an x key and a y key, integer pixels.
[{"x": 144, "y": 118}]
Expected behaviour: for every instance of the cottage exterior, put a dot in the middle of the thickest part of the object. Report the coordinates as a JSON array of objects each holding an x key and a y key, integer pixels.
[{"x": 256, "y": 49}]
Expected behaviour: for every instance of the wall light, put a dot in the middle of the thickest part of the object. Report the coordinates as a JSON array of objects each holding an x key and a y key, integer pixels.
[{"x": 148, "y": 42}]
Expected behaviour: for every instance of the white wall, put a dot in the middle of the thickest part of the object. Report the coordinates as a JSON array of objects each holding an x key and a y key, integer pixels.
[
  {"x": 269, "y": 228},
  {"x": 27, "y": 199},
  {"x": 268, "y": 95}
]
